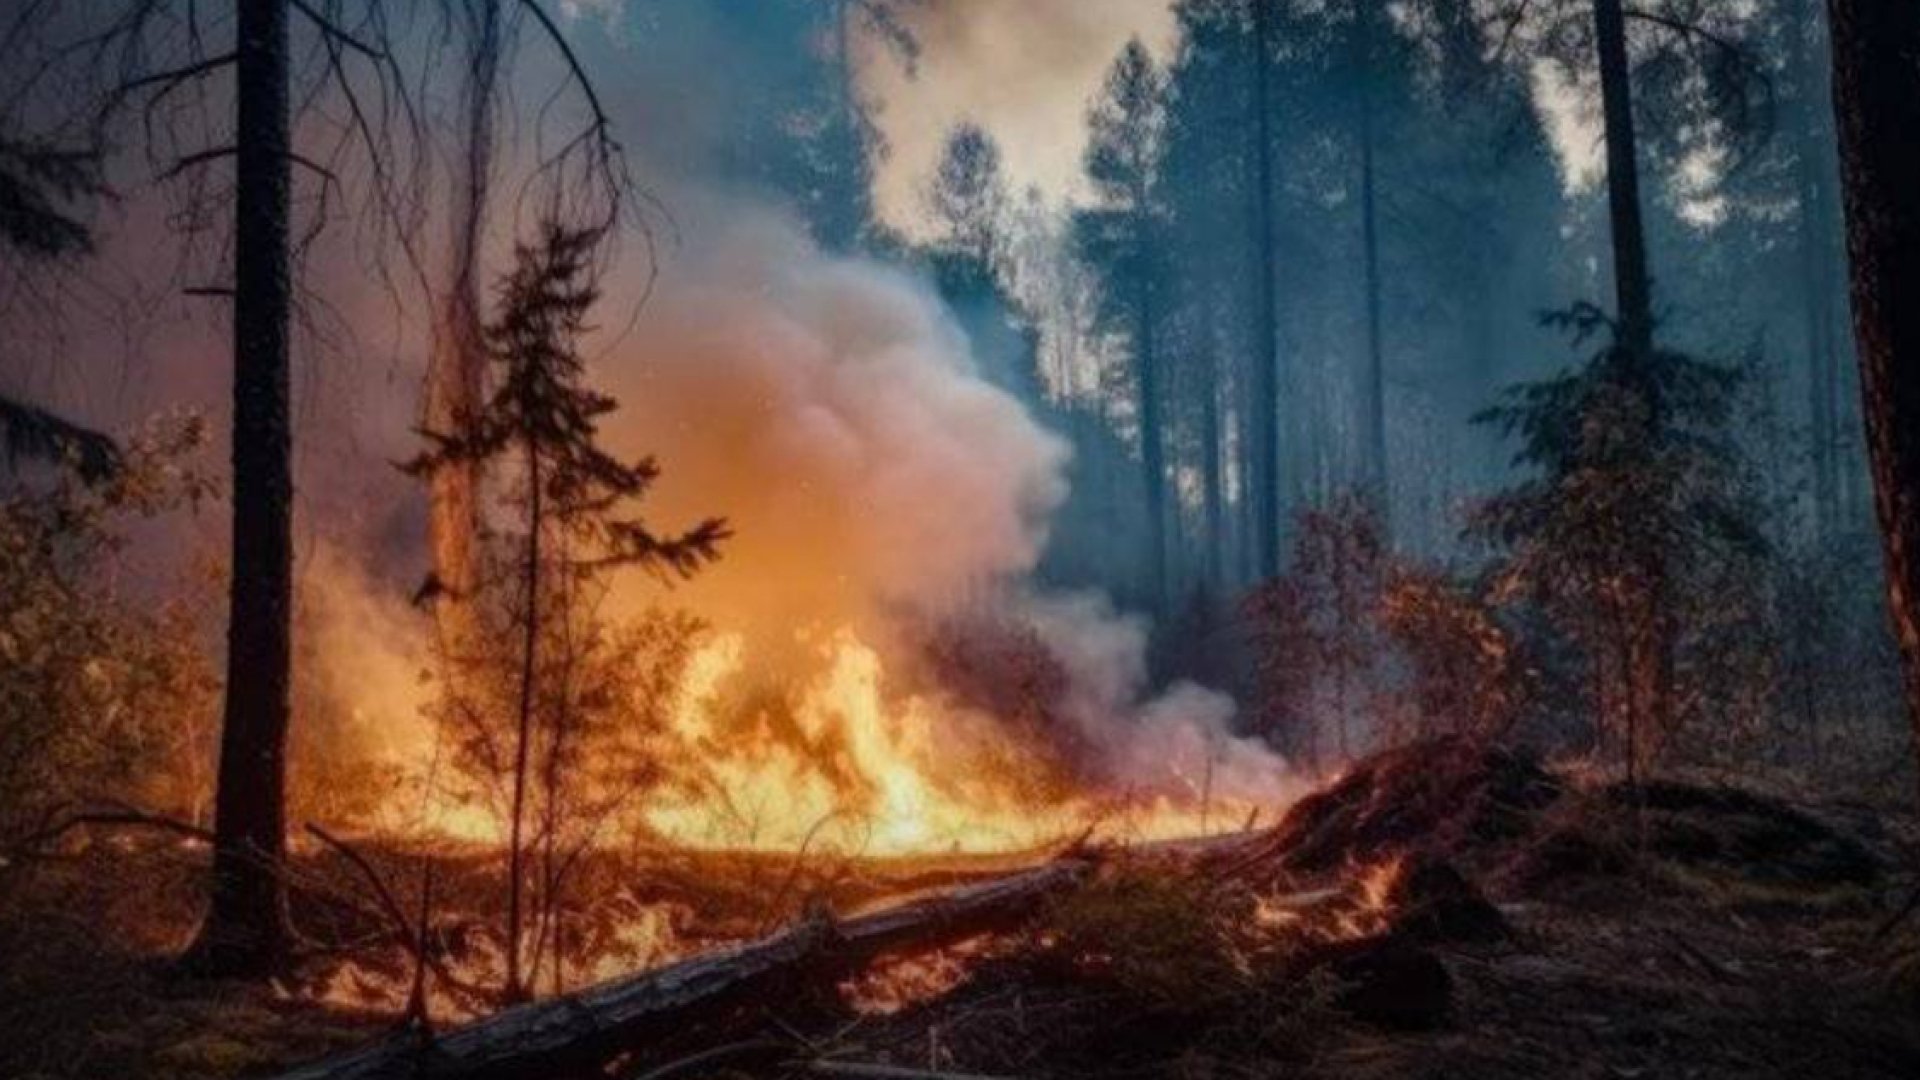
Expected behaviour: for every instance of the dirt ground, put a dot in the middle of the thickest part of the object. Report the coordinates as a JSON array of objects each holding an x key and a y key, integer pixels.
[{"x": 1663, "y": 930}]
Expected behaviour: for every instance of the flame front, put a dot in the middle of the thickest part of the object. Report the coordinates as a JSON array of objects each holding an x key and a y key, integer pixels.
[{"x": 870, "y": 772}]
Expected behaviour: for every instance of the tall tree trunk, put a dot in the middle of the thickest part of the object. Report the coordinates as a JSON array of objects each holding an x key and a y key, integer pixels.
[
  {"x": 1633, "y": 290},
  {"x": 517, "y": 987},
  {"x": 1876, "y": 90},
  {"x": 456, "y": 373},
  {"x": 1153, "y": 465},
  {"x": 1212, "y": 471},
  {"x": 1377, "y": 476},
  {"x": 245, "y": 932},
  {"x": 1633, "y": 299},
  {"x": 1816, "y": 272},
  {"x": 1263, "y": 406}
]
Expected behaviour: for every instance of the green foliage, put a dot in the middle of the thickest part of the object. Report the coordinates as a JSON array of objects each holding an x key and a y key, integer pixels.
[
  {"x": 967, "y": 197},
  {"x": 545, "y": 420},
  {"x": 103, "y": 695}
]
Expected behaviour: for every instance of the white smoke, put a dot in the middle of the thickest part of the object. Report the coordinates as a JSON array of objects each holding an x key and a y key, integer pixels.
[
  {"x": 830, "y": 409},
  {"x": 1179, "y": 742}
]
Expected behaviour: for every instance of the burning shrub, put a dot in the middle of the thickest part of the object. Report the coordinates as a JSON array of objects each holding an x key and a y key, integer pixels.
[
  {"x": 1466, "y": 676},
  {"x": 101, "y": 696},
  {"x": 1318, "y": 637},
  {"x": 1637, "y": 533}
]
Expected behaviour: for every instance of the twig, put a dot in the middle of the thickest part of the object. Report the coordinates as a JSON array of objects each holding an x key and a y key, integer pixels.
[
  {"x": 403, "y": 926},
  {"x": 333, "y": 31},
  {"x": 391, "y": 906},
  {"x": 889, "y": 1072},
  {"x": 26, "y": 846}
]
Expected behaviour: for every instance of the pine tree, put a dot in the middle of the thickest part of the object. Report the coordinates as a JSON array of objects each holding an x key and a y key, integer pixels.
[
  {"x": 1638, "y": 518},
  {"x": 1122, "y": 236},
  {"x": 573, "y": 502}
]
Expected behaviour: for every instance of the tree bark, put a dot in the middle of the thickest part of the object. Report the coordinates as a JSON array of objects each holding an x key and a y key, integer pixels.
[
  {"x": 456, "y": 373},
  {"x": 517, "y": 987},
  {"x": 245, "y": 932},
  {"x": 1153, "y": 465},
  {"x": 1876, "y": 90},
  {"x": 1632, "y": 287},
  {"x": 1377, "y": 476},
  {"x": 1633, "y": 300},
  {"x": 1211, "y": 468},
  {"x": 1263, "y": 410},
  {"x": 1816, "y": 271}
]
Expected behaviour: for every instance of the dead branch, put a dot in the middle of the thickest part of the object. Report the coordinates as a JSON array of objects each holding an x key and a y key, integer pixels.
[
  {"x": 415, "y": 943},
  {"x": 389, "y": 905},
  {"x": 888, "y": 1072},
  {"x": 34, "y": 843},
  {"x": 333, "y": 31}
]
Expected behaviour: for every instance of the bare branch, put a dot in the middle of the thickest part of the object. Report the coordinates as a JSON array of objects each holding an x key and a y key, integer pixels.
[
  {"x": 170, "y": 79},
  {"x": 333, "y": 31},
  {"x": 197, "y": 158}
]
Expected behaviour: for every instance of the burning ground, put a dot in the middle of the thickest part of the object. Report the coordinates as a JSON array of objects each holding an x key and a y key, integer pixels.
[{"x": 1441, "y": 910}]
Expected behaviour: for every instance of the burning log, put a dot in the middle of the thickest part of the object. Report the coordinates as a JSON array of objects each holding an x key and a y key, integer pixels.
[{"x": 577, "y": 1033}]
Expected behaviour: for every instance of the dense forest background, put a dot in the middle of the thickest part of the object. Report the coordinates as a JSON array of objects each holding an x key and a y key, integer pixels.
[{"x": 1417, "y": 185}]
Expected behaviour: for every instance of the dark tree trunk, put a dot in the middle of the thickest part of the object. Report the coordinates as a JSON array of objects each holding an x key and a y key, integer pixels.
[
  {"x": 1212, "y": 469},
  {"x": 1378, "y": 476},
  {"x": 1633, "y": 299},
  {"x": 1817, "y": 273},
  {"x": 245, "y": 932},
  {"x": 456, "y": 377},
  {"x": 1633, "y": 290},
  {"x": 1153, "y": 464},
  {"x": 1263, "y": 408},
  {"x": 1876, "y": 90}
]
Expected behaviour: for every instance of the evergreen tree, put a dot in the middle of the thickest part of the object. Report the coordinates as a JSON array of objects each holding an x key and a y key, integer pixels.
[
  {"x": 1122, "y": 236},
  {"x": 573, "y": 502},
  {"x": 1638, "y": 521}
]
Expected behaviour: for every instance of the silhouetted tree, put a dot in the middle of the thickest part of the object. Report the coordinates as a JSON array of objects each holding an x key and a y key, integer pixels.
[
  {"x": 573, "y": 501},
  {"x": 1638, "y": 518},
  {"x": 1122, "y": 235},
  {"x": 1876, "y": 69}
]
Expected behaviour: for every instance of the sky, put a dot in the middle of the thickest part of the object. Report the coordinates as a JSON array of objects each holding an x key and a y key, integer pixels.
[{"x": 1023, "y": 69}]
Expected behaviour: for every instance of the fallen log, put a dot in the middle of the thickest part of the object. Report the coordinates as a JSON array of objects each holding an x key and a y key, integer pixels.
[{"x": 578, "y": 1033}]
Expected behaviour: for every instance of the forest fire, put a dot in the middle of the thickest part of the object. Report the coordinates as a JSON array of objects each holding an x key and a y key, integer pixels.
[
  {"x": 886, "y": 775},
  {"x": 945, "y": 538},
  {"x": 853, "y": 767}
]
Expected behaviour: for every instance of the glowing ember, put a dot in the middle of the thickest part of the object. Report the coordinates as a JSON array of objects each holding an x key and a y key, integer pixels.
[{"x": 896, "y": 983}]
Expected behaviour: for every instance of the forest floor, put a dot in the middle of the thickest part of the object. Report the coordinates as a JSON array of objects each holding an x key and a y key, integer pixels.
[{"x": 1669, "y": 929}]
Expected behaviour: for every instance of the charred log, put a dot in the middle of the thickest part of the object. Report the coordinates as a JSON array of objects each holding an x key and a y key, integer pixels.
[{"x": 579, "y": 1033}]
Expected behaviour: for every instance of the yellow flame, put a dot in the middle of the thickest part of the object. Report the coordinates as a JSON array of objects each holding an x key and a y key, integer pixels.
[{"x": 877, "y": 775}]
